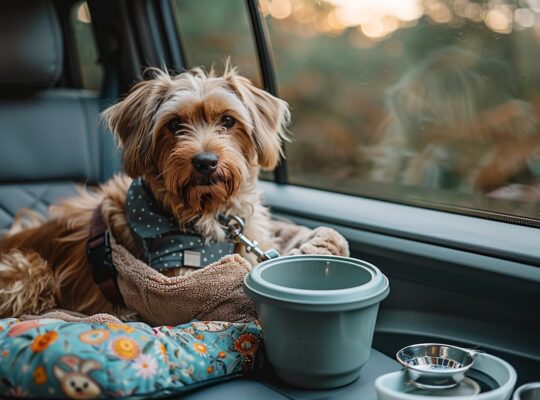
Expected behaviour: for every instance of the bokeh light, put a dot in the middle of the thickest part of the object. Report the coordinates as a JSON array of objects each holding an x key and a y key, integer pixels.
[
  {"x": 280, "y": 9},
  {"x": 83, "y": 14},
  {"x": 379, "y": 19},
  {"x": 499, "y": 19},
  {"x": 524, "y": 17}
]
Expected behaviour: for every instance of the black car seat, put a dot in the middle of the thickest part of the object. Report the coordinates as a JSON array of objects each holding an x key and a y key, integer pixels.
[{"x": 50, "y": 137}]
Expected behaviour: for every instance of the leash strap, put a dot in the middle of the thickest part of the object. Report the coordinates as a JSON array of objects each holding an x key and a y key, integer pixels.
[{"x": 98, "y": 250}]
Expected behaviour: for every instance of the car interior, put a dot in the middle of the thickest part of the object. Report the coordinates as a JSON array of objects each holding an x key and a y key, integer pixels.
[{"x": 459, "y": 274}]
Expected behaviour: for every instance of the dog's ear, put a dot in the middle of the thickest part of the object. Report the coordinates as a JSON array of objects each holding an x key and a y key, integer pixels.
[
  {"x": 270, "y": 117},
  {"x": 132, "y": 120}
]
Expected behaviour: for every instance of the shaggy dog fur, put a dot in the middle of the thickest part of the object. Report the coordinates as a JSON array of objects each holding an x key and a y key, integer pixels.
[{"x": 161, "y": 125}]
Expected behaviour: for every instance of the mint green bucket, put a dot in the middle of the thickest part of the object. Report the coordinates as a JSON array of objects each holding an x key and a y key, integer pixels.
[{"x": 318, "y": 316}]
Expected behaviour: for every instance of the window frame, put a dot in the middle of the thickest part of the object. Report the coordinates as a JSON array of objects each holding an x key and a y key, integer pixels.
[
  {"x": 177, "y": 55},
  {"x": 71, "y": 75},
  {"x": 117, "y": 48},
  {"x": 266, "y": 66}
]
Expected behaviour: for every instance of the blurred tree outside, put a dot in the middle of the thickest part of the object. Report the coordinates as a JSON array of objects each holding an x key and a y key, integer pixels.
[{"x": 215, "y": 30}]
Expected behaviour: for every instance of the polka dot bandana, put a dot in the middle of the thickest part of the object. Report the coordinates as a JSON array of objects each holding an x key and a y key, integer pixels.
[{"x": 164, "y": 244}]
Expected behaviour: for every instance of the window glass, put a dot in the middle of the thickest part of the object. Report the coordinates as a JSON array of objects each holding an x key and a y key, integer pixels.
[
  {"x": 429, "y": 102},
  {"x": 91, "y": 70},
  {"x": 215, "y": 30}
]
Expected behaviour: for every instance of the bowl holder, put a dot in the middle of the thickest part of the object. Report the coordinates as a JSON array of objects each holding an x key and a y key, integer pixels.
[{"x": 168, "y": 350}]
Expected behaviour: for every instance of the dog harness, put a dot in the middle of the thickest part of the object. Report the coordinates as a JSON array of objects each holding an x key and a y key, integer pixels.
[
  {"x": 164, "y": 244},
  {"x": 99, "y": 253}
]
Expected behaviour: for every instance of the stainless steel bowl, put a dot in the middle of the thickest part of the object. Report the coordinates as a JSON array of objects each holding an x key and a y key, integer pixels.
[{"x": 436, "y": 366}]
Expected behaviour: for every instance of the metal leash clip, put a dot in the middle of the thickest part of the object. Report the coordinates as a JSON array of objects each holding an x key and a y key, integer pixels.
[{"x": 235, "y": 227}]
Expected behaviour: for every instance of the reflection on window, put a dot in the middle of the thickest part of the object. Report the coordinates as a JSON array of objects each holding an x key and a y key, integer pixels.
[
  {"x": 91, "y": 70},
  {"x": 215, "y": 30},
  {"x": 432, "y": 102}
]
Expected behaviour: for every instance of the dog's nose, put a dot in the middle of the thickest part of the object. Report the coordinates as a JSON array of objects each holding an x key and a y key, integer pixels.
[{"x": 205, "y": 163}]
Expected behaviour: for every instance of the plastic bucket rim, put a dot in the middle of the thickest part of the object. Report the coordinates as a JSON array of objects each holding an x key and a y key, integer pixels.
[
  {"x": 322, "y": 302},
  {"x": 375, "y": 273}
]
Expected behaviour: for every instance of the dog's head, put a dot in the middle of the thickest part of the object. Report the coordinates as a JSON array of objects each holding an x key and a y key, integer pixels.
[{"x": 200, "y": 138}]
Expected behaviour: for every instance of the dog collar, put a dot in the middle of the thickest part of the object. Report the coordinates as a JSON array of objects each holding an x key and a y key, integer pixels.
[{"x": 164, "y": 244}]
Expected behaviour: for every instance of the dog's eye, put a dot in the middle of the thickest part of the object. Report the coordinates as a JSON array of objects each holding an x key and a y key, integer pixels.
[
  {"x": 227, "y": 121},
  {"x": 175, "y": 125}
]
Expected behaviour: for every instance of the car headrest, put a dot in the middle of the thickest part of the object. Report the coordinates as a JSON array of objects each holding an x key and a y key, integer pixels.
[{"x": 31, "y": 49}]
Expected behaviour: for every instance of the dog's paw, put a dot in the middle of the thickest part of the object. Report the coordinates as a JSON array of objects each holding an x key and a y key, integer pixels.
[{"x": 324, "y": 241}]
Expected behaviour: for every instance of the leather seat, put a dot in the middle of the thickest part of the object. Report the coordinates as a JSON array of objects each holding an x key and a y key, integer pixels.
[{"x": 49, "y": 137}]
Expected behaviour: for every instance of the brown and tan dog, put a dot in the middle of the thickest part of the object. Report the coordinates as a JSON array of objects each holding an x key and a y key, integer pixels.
[{"x": 198, "y": 140}]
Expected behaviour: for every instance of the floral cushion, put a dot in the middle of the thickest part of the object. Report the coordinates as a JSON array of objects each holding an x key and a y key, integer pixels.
[{"x": 49, "y": 358}]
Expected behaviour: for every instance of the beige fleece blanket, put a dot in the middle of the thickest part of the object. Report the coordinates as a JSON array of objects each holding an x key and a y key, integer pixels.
[{"x": 213, "y": 293}]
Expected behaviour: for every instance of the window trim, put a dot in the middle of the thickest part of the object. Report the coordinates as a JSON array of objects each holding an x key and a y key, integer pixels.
[
  {"x": 449, "y": 208},
  {"x": 435, "y": 233},
  {"x": 149, "y": 44},
  {"x": 173, "y": 42},
  {"x": 263, "y": 45},
  {"x": 72, "y": 61},
  {"x": 117, "y": 48}
]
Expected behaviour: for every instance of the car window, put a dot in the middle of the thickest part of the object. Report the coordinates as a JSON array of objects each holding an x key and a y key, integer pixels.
[
  {"x": 215, "y": 30},
  {"x": 427, "y": 102},
  {"x": 91, "y": 71}
]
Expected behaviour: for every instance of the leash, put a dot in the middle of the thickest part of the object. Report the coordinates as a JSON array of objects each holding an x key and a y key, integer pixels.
[{"x": 235, "y": 228}]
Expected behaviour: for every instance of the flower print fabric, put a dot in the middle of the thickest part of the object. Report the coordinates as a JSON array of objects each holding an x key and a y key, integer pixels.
[
  {"x": 94, "y": 336},
  {"x": 50, "y": 358}
]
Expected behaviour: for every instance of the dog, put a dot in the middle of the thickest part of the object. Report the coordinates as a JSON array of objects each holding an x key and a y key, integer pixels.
[{"x": 198, "y": 141}]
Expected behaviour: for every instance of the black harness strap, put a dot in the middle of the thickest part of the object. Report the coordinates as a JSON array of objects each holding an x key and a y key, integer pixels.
[{"x": 99, "y": 253}]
